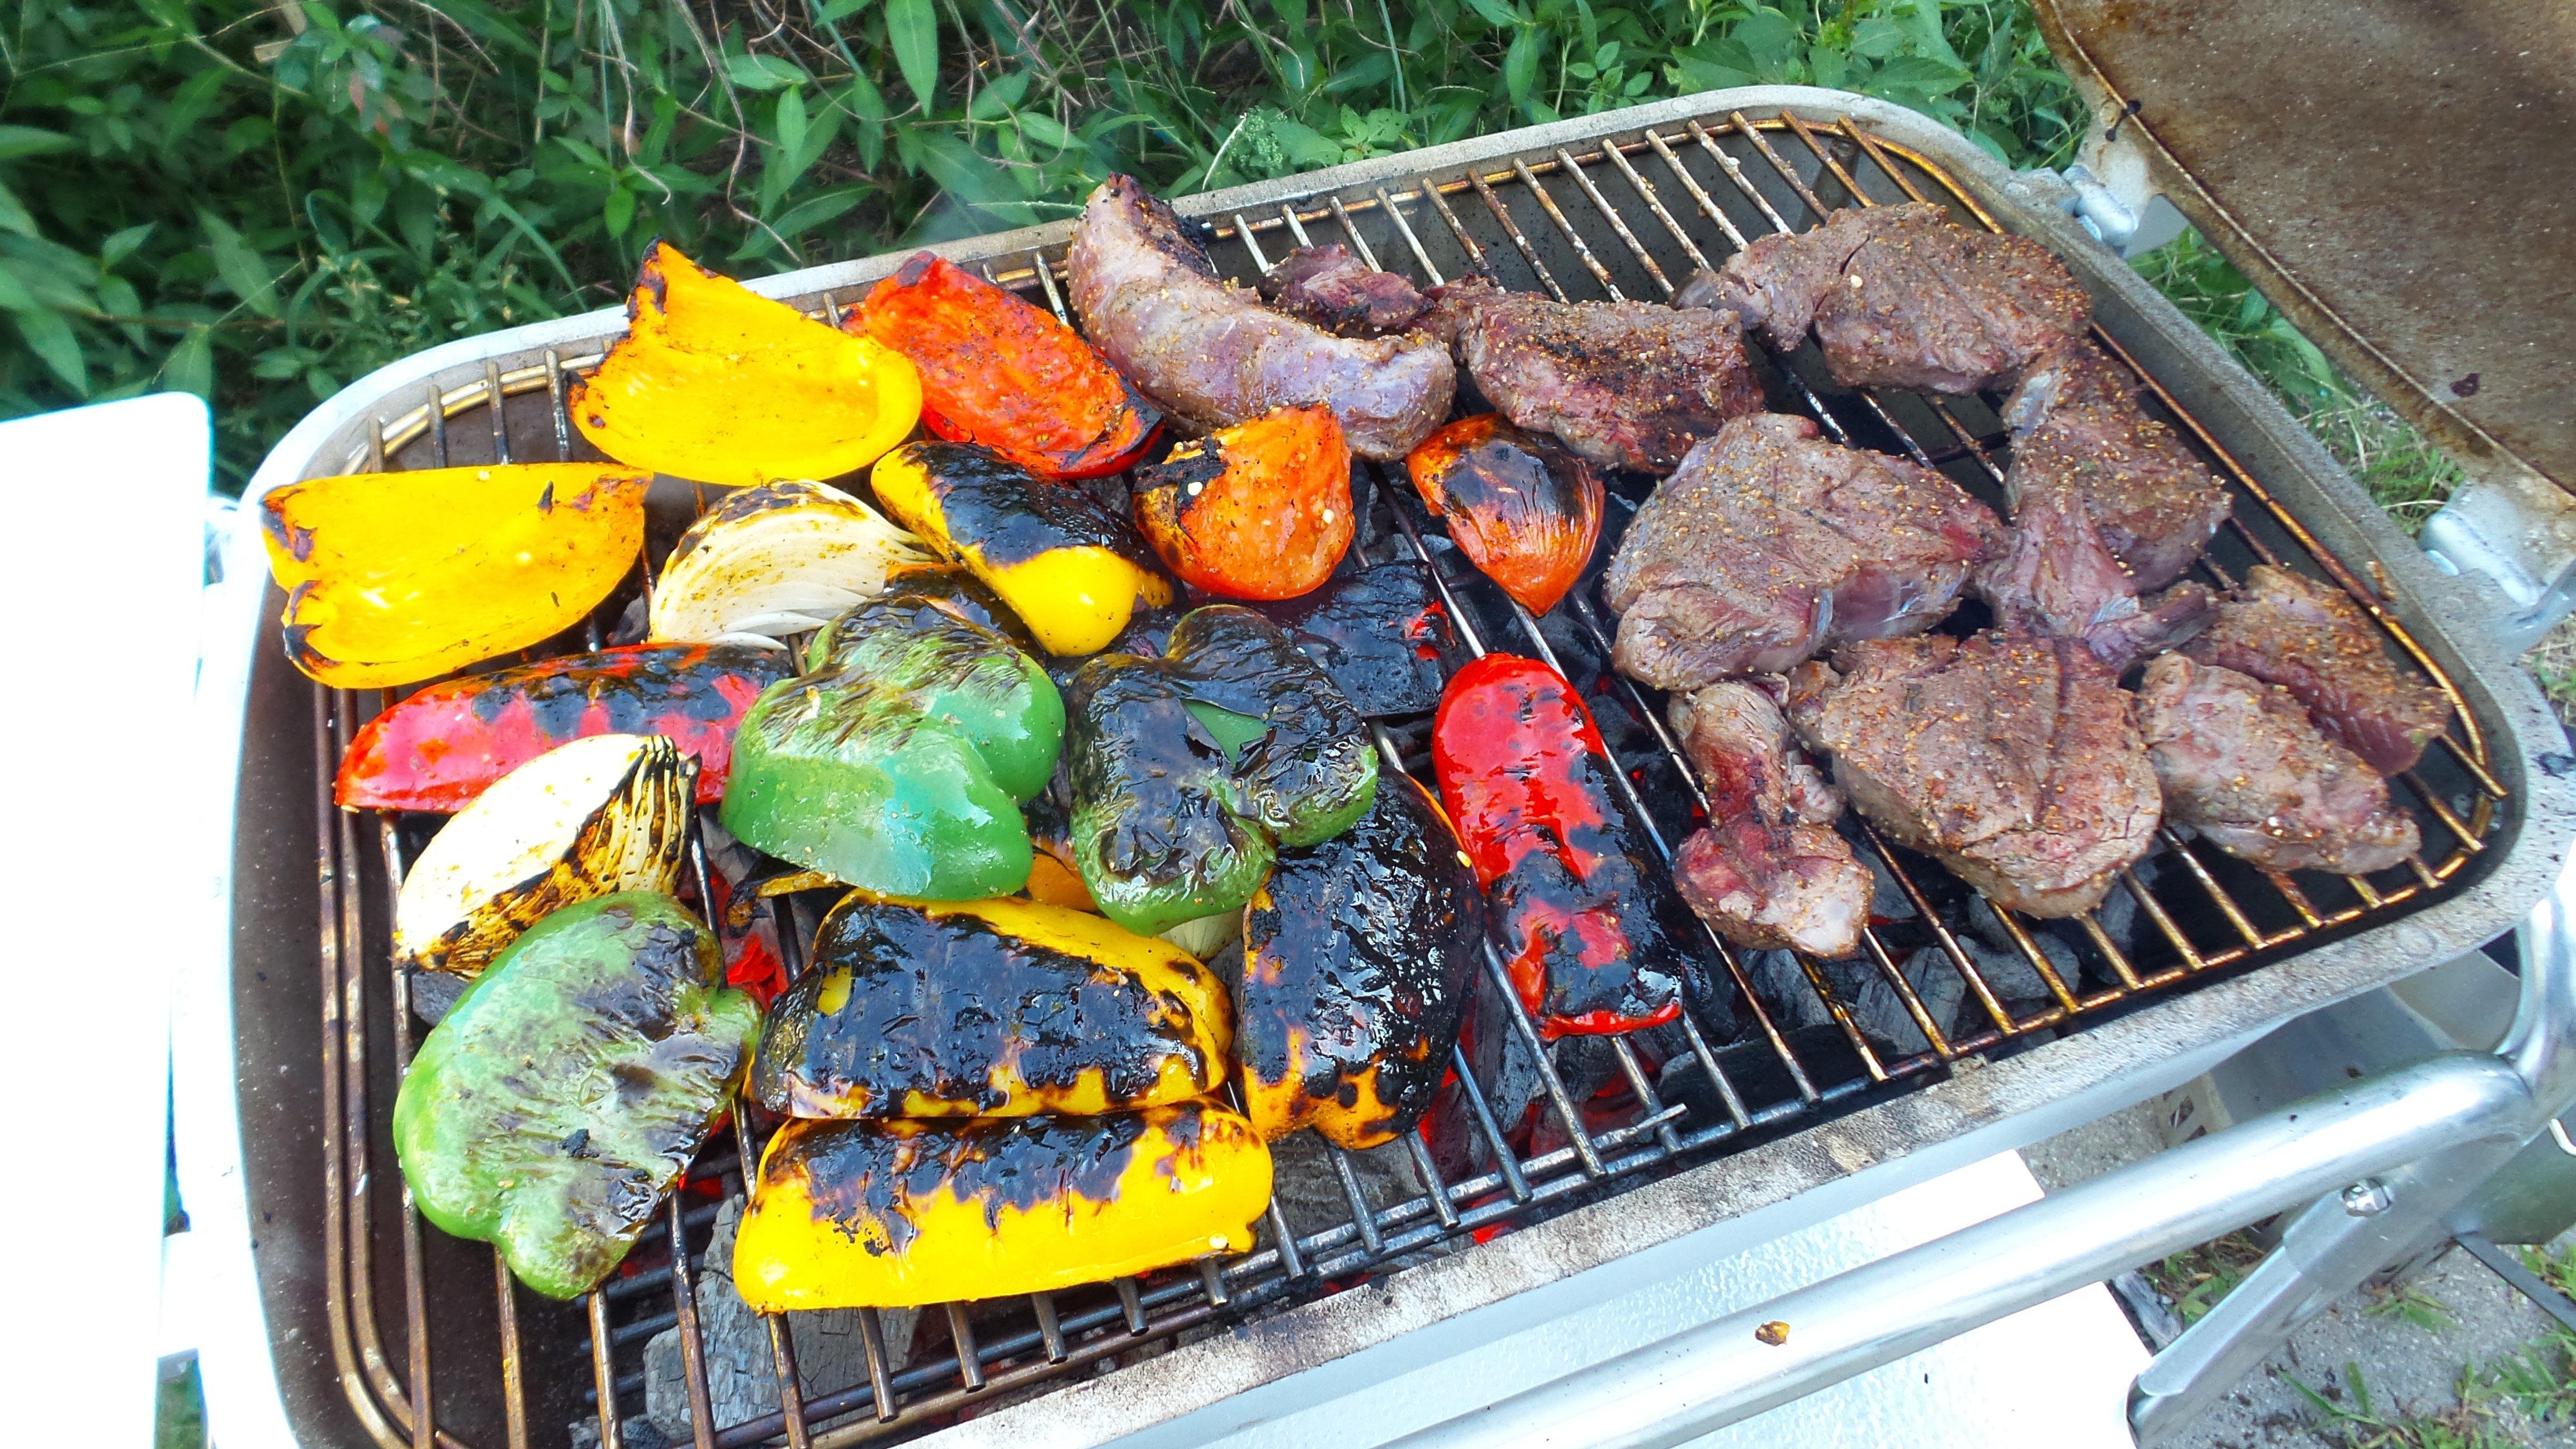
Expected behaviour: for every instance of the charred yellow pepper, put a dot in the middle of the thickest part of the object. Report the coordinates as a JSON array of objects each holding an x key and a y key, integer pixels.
[
  {"x": 1070, "y": 568},
  {"x": 892, "y": 1214},
  {"x": 393, "y": 580},
  {"x": 717, "y": 383},
  {"x": 995, "y": 1008}
]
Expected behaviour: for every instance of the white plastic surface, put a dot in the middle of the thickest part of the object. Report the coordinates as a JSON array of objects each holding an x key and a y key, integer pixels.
[
  {"x": 106, "y": 509},
  {"x": 2054, "y": 1377}
]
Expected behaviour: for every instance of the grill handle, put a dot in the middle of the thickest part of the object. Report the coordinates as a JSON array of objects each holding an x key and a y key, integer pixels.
[{"x": 2379, "y": 1164}]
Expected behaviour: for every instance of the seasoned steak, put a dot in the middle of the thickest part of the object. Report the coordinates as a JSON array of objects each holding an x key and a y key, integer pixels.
[
  {"x": 1899, "y": 296},
  {"x": 1769, "y": 544},
  {"x": 2010, "y": 757},
  {"x": 2056, "y": 576},
  {"x": 1769, "y": 872},
  {"x": 1623, "y": 383},
  {"x": 2077, "y": 425},
  {"x": 1212, "y": 355},
  {"x": 2241, "y": 763},
  {"x": 1331, "y": 288},
  {"x": 2313, "y": 640}
]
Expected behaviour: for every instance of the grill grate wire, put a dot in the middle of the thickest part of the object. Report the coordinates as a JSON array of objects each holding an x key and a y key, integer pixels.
[{"x": 1073, "y": 1330}]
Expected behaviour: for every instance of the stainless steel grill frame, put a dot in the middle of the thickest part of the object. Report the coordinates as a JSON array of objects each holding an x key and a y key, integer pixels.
[{"x": 1780, "y": 166}]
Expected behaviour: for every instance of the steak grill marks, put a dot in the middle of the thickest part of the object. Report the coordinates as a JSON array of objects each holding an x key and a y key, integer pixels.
[{"x": 1596, "y": 214}]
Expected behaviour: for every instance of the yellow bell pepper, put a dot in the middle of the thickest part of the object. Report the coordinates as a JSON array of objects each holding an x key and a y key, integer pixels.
[
  {"x": 717, "y": 383},
  {"x": 995, "y": 1008},
  {"x": 1070, "y": 568},
  {"x": 895, "y": 1214},
  {"x": 393, "y": 579}
]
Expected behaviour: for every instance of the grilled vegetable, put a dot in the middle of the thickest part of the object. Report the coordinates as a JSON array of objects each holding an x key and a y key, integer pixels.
[
  {"x": 602, "y": 814},
  {"x": 775, "y": 560},
  {"x": 988, "y": 1009},
  {"x": 955, "y": 588},
  {"x": 1071, "y": 569},
  {"x": 1591, "y": 946},
  {"x": 563, "y": 1095},
  {"x": 1523, "y": 507},
  {"x": 1188, "y": 770},
  {"x": 717, "y": 383},
  {"x": 1358, "y": 958},
  {"x": 1381, "y": 633},
  {"x": 1260, "y": 510},
  {"x": 892, "y": 1214},
  {"x": 900, "y": 767},
  {"x": 997, "y": 371},
  {"x": 441, "y": 747},
  {"x": 394, "y": 581}
]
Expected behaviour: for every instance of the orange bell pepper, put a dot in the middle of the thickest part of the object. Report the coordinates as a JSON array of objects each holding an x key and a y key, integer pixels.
[{"x": 1260, "y": 510}]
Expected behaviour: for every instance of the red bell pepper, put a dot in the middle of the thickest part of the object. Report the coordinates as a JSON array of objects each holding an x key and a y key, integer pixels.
[
  {"x": 997, "y": 371},
  {"x": 1591, "y": 946},
  {"x": 440, "y": 748}
]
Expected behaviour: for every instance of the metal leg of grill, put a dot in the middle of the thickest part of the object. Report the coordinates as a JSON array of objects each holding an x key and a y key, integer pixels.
[{"x": 2379, "y": 1166}]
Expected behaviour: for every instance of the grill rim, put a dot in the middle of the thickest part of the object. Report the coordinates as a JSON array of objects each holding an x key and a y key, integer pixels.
[{"x": 1978, "y": 1101}]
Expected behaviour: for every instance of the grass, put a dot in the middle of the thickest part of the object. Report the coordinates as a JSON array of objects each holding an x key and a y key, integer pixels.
[{"x": 2196, "y": 1278}]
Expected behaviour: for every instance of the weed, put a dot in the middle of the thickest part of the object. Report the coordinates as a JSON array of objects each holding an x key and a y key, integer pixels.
[
  {"x": 2409, "y": 1302},
  {"x": 2195, "y": 1279},
  {"x": 2346, "y": 1416}
]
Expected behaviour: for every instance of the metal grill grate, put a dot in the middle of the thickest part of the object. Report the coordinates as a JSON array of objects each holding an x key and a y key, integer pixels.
[{"x": 2191, "y": 913}]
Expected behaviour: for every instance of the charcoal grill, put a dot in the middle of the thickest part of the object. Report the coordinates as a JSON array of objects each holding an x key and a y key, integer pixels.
[{"x": 370, "y": 1329}]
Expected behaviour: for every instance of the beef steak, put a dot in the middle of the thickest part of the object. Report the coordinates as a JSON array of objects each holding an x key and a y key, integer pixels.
[
  {"x": 2241, "y": 763},
  {"x": 2009, "y": 756},
  {"x": 1769, "y": 872},
  {"x": 1622, "y": 383},
  {"x": 1770, "y": 543},
  {"x": 2077, "y": 426},
  {"x": 2313, "y": 640},
  {"x": 1900, "y": 296}
]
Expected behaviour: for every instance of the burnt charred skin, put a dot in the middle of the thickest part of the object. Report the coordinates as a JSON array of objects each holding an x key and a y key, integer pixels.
[
  {"x": 1524, "y": 508},
  {"x": 1189, "y": 769},
  {"x": 440, "y": 748},
  {"x": 1359, "y": 955},
  {"x": 1073, "y": 570},
  {"x": 1381, "y": 634},
  {"x": 892, "y": 1214},
  {"x": 1589, "y": 938},
  {"x": 994, "y": 1008},
  {"x": 955, "y": 588}
]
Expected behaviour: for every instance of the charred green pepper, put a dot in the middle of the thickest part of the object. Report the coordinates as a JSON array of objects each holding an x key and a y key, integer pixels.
[
  {"x": 1189, "y": 770},
  {"x": 568, "y": 1088},
  {"x": 900, "y": 762}
]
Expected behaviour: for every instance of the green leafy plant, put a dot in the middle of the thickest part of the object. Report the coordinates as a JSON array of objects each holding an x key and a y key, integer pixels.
[
  {"x": 2195, "y": 1279},
  {"x": 2346, "y": 1416},
  {"x": 2410, "y": 1303},
  {"x": 260, "y": 202}
]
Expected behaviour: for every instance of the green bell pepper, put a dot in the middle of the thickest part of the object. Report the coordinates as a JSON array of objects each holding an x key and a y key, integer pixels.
[
  {"x": 900, "y": 762},
  {"x": 1191, "y": 769},
  {"x": 568, "y": 1087}
]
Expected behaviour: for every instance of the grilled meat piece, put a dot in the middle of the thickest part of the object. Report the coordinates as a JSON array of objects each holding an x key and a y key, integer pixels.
[
  {"x": 2310, "y": 639},
  {"x": 1212, "y": 355},
  {"x": 1769, "y": 872},
  {"x": 1623, "y": 383},
  {"x": 1770, "y": 544},
  {"x": 2056, "y": 576},
  {"x": 2011, "y": 757},
  {"x": 2241, "y": 763},
  {"x": 1335, "y": 290},
  {"x": 2077, "y": 426},
  {"x": 1900, "y": 296}
]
